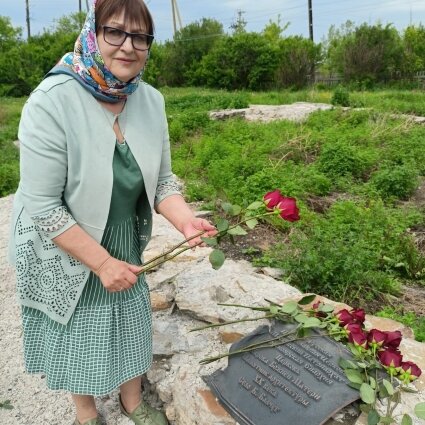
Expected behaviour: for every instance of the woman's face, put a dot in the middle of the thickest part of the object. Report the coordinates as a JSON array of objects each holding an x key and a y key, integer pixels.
[{"x": 123, "y": 61}]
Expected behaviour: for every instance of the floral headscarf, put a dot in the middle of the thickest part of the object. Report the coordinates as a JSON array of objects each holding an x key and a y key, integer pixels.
[{"x": 86, "y": 65}]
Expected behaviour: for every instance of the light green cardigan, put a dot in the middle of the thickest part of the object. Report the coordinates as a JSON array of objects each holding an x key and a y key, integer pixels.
[{"x": 67, "y": 147}]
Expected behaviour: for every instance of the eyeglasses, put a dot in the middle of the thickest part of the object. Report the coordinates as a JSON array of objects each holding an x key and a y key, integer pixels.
[{"x": 117, "y": 37}]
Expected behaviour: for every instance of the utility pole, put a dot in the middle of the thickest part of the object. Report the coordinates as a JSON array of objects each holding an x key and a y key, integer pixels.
[
  {"x": 176, "y": 16},
  {"x": 87, "y": 5},
  {"x": 79, "y": 6},
  {"x": 310, "y": 19},
  {"x": 27, "y": 10}
]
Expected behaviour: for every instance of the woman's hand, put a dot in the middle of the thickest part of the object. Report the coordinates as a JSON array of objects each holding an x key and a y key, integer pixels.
[
  {"x": 196, "y": 225},
  {"x": 117, "y": 275}
]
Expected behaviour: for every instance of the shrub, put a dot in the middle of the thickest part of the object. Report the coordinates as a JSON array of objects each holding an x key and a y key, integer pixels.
[
  {"x": 9, "y": 178},
  {"x": 341, "y": 97},
  {"x": 341, "y": 254},
  {"x": 399, "y": 181}
]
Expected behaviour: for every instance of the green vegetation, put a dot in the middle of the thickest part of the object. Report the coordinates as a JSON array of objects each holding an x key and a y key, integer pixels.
[
  {"x": 353, "y": 172},
  {"x": 10, "y": 112},
  {"x": 202, "y": 54},
  {"x": 417, "y": 323}
]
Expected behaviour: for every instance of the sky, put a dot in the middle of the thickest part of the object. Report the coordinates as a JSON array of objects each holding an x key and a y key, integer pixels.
[{"x": 257, "y": 13}]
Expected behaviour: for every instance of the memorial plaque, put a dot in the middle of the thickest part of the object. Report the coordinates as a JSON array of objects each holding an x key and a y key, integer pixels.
[{"x": 294, "y": 383}]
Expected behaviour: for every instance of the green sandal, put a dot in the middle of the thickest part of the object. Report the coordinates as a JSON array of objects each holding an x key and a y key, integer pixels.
[
  {"x": 95, "y": 421},
  {"x": 145, "y": 415}
]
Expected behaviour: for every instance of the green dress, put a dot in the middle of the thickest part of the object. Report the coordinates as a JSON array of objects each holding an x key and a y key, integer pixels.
[{"x": 108, "y": 339}]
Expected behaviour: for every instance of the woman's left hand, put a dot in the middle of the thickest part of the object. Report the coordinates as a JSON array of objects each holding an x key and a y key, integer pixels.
[{"x": 196, "y": 225}]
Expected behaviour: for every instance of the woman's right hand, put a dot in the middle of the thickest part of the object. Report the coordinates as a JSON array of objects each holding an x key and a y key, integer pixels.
[{"x": 117, "y": 275}]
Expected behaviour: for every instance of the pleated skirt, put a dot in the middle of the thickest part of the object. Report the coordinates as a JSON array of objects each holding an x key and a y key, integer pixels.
[{"x": 108, "y": 339}]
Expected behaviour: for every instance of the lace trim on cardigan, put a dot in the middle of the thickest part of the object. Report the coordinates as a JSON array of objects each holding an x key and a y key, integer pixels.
[
  {"x": 54, "y": 220},
  {"x": 166, "y": 188}
]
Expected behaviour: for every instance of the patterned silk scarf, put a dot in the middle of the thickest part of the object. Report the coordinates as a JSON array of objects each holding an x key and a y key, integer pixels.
[{"x": 86, "y": 65}]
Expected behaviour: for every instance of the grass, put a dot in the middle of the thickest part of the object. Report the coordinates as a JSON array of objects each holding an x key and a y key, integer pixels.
[
  {"x": 353, "y": 172},
  {"x": 10, "y": 111}
]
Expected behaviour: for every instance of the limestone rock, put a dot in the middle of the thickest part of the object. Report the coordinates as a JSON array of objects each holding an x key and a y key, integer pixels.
[{"x": 200, "y": 288}]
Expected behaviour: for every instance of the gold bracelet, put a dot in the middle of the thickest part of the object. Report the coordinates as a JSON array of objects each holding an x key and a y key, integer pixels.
[{"x": 101, "y": 266}]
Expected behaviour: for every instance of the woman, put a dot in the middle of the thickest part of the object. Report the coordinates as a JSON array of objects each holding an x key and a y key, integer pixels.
[{"x": 95, "y": 160}]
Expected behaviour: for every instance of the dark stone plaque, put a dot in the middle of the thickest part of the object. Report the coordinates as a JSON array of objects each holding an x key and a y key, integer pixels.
[{"x": 295, "y": 383}]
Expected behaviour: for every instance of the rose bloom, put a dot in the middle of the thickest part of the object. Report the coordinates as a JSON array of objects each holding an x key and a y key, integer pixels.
[
  {"x": 393, "y": 339},
  {"x": 376, "y": 337},
  {"x": 353, "y": 328},
  {"x": 390, "y": 358},
  {"x": 272, "y": 199},
  {"x": 344, "y": 317},
  {"x": 359, "y": 315},
  {"x": 288, "y": 209},
  {"x": 410, "y": 371},
  {"x": 357, "y": 338},
  {"x": 317, "y": 305}
]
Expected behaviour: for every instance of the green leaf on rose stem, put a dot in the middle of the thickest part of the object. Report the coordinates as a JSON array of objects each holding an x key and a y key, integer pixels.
[
  {"x": 362, "y": 365},
  {"x": 387, "y": 420},
  {"x": 289, "y": 307},
  {"x": 237, "y": 231},
  {"x": 354, "y": 376},
  {"x": 367, "y": 394},
  {"x": 355, "y": 386},
  {"x": 373, "y": 417},
  {"x": 236, "y": 210},
  {"x": 301, "y": 332},
  {"x": 227, "y": 207},
  {"x": 420, "y": 410},
  {"x": 251, "y": 223},
  {"x": 383, "y": 393},
  {"x": 255, "y": 205},
  {"x": 312, "y": 322},
  {"x": 210, "y": 241},
  {"x": 388, "y": 386},
  {"x": 353, "y": 349},
  {"x": 347, "y": 364},
  {"x": 301, "y": 318},
  {"x": 372, "y": 382},
  {"x": 407, "y": 420},
  {"x": 274, "y": 309},
  {"x": 307, "y": 299},
  {"x": 216, "y": 259},
  {"x": 222, "y": 225},
  {"x": 326, "y": 308}
]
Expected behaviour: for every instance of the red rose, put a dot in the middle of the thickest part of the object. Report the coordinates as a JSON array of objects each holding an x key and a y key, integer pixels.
[
  {"x": 409, "y": 371},
  {"x": 376, "y": 337},
  {"x": 344, "y": 317},
  {"x": 390, "y": 358},
  {"x": 272, "y": 199},
  {"x": 317, "y": 305},
  {"x": 393, "y": 339},
  {"x": 353, "y": 328},
  {"x": 357, "y": 338},
  {"x": 288, "y": 209},
  {"x": 358, "y": 315}
]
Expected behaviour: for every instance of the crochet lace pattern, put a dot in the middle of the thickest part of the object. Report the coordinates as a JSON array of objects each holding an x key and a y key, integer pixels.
[
  {"x": 44, "y": 273},
  {"x": 166, "y": 188}
]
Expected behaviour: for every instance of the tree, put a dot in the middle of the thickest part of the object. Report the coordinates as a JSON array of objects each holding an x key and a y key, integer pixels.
[
  {"x": 273, "y": 30},
  {"x": 297, "y": 59},
  {"x": 241, "y": 61},
  {"x": 9, "y": 35},
  {"x": 183, "y": 55},
  {"x": 367, "y": 53},
  {"x": 414, "y": 49}
]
